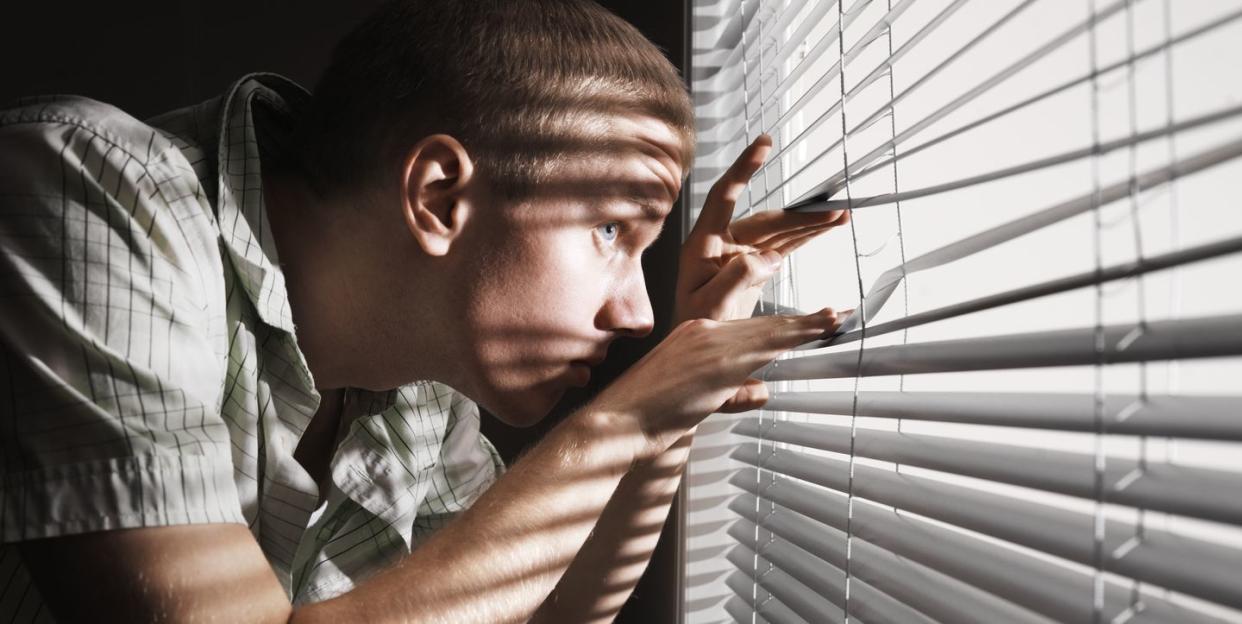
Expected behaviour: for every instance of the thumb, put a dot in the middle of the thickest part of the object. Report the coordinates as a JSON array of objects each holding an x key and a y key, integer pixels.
[{"x": 743, "y": 271}]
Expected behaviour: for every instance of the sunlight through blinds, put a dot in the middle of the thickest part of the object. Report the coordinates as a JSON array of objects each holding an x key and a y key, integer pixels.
[{"x": 1034, "y": 413}]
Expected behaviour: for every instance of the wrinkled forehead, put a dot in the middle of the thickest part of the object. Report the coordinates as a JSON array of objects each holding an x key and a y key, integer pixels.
[
  {"x": 608, "y": 157},
  {"x": 639, "y": 151}
]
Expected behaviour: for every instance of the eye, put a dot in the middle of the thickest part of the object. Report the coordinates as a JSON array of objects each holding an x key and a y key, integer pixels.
[{"x": 609, "y": 231}]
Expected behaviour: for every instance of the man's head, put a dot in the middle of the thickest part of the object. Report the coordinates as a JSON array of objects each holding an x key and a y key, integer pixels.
[
  {"x": 527, "y": 152},
  {"x": 522, "y": 84}
]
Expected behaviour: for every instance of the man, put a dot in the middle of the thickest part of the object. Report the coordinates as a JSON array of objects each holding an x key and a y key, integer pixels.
[{"x": 205, "y": 317}]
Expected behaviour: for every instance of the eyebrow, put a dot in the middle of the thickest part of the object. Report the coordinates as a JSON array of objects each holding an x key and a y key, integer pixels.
[
  {"x": 654, "y": 213},
  {"x": 649, "y": 196},
  {"x": 651, "y": 211},
  {"x": 641, "y": 191}
]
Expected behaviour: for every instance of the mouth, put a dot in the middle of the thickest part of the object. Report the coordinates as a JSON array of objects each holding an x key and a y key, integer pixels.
[
  {"x": 580, "y": 373},
  {"x": 580, "y": 369}
]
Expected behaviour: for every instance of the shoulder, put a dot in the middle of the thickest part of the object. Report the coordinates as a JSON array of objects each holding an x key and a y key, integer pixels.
[
  {"x": 55, "y": 120},
  {"x": 81, "y": 178},
  {"x": 75, "y": 149}
]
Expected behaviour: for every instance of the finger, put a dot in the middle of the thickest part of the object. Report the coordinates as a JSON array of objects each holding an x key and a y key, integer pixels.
[
  {"x": 722, "y": 198},
  {"x": 783, "y": 333},
  {"x": 762, "y": 338},
  {"x": 780, "y": 237},
  {"x": 760, "y": 228},
  {"x": 752, "y": 395},
  {"x": 780, "y": 244},
  {"x": 792, "y": 244},
  {"x": 740, "y": 273}
]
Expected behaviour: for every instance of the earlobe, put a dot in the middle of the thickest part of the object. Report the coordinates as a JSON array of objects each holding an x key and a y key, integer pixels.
[{"x": 436, "y": 174}]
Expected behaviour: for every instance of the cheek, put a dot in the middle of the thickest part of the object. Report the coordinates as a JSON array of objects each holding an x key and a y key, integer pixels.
[
  {"x": 562, "y": 279},
  {"x": 548, "y": 280},
  {"x": 536, "y": 303}
]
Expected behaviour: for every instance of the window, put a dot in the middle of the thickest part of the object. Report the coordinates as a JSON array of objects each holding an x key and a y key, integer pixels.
[{"x": 1035, "y": 413}]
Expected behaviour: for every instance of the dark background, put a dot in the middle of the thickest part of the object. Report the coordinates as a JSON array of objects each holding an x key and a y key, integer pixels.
[{"x": 148, "y": 56}]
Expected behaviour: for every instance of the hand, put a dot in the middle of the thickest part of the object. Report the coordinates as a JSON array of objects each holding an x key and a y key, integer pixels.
[
  {"x": 703, "y": 366},
  {"x": 724, "y": 263}
]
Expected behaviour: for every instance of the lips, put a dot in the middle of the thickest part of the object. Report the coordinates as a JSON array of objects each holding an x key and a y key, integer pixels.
[
  {"x": 592, "y": 361},
  {"x": 581, "y": 372},
  {"x": 581, "y": 368}
]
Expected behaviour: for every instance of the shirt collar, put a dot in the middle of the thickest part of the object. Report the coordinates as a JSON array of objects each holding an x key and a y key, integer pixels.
[
  {"x": 240, "y": 210},
  {"x": 253, "y": 118}
]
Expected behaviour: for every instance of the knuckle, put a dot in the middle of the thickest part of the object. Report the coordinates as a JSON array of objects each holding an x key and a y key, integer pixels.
[
  {"x": 751, "y": 266},
  {"x": 695, "y": 326},
  {"x": 772, "y": 332}
]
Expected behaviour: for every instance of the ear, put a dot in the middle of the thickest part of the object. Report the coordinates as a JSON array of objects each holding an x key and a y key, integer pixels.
[{"x": 434, "y": 180}]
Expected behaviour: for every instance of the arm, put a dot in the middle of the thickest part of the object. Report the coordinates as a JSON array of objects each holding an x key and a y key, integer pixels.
[
  {"x": 611, "y": 562},
  {"x": 495, "y": 563},
  {"x": 724, "y": 265}
]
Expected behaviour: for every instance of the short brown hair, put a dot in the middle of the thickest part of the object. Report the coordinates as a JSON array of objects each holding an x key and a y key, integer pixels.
[{"x": 507, "y": 78}]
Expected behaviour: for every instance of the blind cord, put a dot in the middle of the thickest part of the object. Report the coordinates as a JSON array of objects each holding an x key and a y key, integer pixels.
[
  {"x": 849, "y": 491},
  {"x": 901, "y": 235},
  {"x": 1098, "y": 523},
  {"x": 1136, "y": 604}
]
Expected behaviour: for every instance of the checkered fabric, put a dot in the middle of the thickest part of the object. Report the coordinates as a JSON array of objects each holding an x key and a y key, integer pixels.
[{"x": 149, "y": 370}]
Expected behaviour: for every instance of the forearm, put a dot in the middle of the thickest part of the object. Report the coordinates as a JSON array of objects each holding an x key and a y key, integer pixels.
[
  {"x": 610, "y": 564},
  {"x": 500, "y": 558}
]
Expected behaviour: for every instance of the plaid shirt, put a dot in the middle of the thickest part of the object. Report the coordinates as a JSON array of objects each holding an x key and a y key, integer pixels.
[{"x": 149, "y": 371}]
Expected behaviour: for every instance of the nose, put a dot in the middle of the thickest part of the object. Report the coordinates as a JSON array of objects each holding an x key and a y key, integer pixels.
[{"x": 627, "y": 310}]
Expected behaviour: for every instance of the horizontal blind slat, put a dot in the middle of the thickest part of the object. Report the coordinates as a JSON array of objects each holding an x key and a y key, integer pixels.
[
  {"x": 712, "y": 80},
  {"x": 763, "y": 604},
  {"x": 1196, "y": 567},
  {"x": 1192, "y": 566},
  {"x": 890, "y": 280},
  {"x": 1044, "y": 162},
  {"x": 813, "y": 195},
  {"x": 828, "y": 76},
  {"x": 831, "y": 186},
  {"x": 1162, "y": 486},
  {"x": 1207, "y": 417},
  {"x": 1212, "y": 336},
  {"x": 744, "y": 612},
  {"x": 796, "y": 39},
  {"x": 793, "y": 594},
  {"x": 931, "y": 595},
  {"x": 1101, "y": 71},
  {"x": 823, "y": 579},
  {"x": 1133, "y": 268},
  {"x": 1051, "y": 589}
]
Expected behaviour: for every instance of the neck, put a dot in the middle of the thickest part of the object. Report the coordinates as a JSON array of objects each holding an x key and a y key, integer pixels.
[
  {"x": 369, "y": 306},
  {"x": 319, "y": 296}
]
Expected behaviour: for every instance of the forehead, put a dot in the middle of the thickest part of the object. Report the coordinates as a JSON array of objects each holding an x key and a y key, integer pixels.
[{"x": 633, "y": 155}]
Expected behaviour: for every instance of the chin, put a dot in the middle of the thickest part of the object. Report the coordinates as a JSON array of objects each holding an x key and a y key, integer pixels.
[{"x": 525, "y": 409}]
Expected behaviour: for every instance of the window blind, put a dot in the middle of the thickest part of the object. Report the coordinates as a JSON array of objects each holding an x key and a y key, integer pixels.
[{"x": 1034, "y": 413}]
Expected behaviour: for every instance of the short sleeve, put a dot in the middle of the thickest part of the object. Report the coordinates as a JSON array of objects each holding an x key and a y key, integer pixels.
[{"x": 111, "y": 329}]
